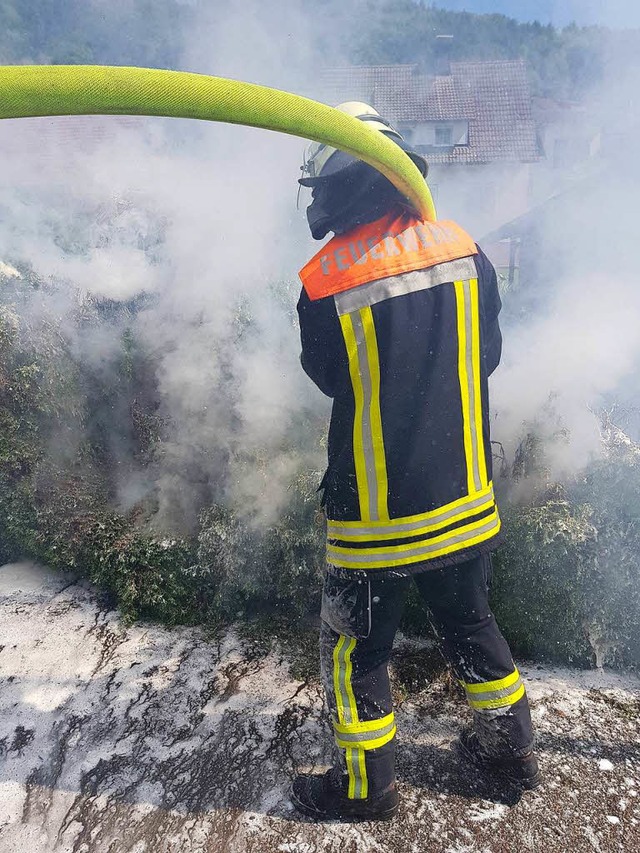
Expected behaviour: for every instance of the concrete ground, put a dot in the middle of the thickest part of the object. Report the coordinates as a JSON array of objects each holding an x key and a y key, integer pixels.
[{"x": 149, "y": 740}]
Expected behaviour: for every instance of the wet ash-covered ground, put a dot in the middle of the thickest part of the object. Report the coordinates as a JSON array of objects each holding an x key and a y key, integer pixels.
[{"x": 149, "y": 740}]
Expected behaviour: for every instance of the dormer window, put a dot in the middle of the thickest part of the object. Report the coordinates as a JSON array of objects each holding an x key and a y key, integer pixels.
[
  {"x": 444, "y": 135},
  {"x": 437, "y": 136}
]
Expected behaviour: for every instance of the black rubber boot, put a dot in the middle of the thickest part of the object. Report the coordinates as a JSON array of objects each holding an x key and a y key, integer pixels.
[
  {"x": 521, "y": 771},
  {"x": 324, "y": 797}
]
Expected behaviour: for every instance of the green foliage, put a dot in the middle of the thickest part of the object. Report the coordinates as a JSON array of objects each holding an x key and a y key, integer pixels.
[
  {"x": 253, "y": 570},
  {"x": 611, "y": 486},
  {"x": 122, "y": 32},
  {"x": 563, "y": 63},
  {"x": 36, "y": 388},
  {"x": 539, "y": 585},
  {"x": 18, "y": 521},
  {"x": 566, "y": 583},
  {"x": 149, "y": 579},
  {"x": 567, "y": 579},
  {"x": 71, "y": 424},
  {"x": 54, "y": 467}
]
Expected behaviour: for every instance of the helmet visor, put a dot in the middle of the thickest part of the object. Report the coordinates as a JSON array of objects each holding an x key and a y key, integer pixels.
[{"x": 328, "y": 162}]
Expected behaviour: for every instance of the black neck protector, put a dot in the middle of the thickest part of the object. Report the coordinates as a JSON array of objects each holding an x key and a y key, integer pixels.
[{"x": 355, "y": 196}]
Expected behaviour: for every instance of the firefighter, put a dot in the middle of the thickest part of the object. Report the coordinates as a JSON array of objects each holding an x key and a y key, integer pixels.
[{"x": 399, "y": 326}]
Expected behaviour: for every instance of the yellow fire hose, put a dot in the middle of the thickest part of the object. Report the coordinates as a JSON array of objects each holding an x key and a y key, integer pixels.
[{"x": 47, "y": 90}]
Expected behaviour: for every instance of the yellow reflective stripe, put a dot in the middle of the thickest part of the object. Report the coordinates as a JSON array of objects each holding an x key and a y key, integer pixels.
[
  {"x": 352, "y": 773},
  {"x": 337, "y": 689},
  {"x": 345, "y": 700},
  {"x": 391, "y": 562},
  {"x": 348, "y": 717},
  {"x": 347, "y": 679},
  {"x": 390, "y": 550},
  {"x": 408, "y": 519},
  {"x": 364, "y": 782},
  {"x": 498, "y": 702},
  {"x": 364, "y": 745},
  {"x": 358, "y": 394},
  {"x": 377, "y": 440},
  {"x": 475, "y": 354},
  {"x": 423, "y": 516},
  {"x": 506, "y": 691},
  {"x": 363, "y": 725},
  {"x": 416, "y": 531},
  {"x": 490, "y": 686},
  {"x": 411, "y": 546},
  {"x": 355, "y": 736},
  {"x": 464, "y": 382}
]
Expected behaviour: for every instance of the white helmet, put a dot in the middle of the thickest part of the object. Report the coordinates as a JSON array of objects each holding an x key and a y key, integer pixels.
[{"x": 322, "y": 160}]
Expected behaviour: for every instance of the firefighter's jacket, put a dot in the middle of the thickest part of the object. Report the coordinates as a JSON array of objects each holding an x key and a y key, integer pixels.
[{"x": 399, "y": 326}]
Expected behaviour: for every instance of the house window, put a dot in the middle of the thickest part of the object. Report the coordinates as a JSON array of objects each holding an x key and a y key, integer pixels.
[
  {"x": 444, "y": 136},
  {"x": 407, "y": 132}
]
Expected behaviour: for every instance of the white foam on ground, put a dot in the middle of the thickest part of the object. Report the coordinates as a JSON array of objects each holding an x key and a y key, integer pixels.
[{"x": 150, "y": 740}]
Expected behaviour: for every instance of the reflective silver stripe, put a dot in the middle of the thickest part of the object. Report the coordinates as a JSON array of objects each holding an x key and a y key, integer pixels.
[
  {"x": 367, "y": 745},
  {"x": 385, "y": 555},
  {"x": 367, "y": 434},
  {"x": 336, "y": 530},
  {"x": 399, "y": 285},
  {"x": 361, "y": 737},
  {"x": 470, "y": 332},
  {"x": 494, "y": 694}
]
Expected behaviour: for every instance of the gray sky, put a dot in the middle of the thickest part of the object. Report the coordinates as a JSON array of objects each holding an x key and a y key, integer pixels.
[{"x": 620, "y": 14}]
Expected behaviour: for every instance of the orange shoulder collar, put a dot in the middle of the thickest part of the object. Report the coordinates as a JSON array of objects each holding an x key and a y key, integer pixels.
[{"x": 395, "y": 244}]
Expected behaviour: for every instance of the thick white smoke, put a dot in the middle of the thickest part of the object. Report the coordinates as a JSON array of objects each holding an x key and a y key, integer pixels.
[
  {"x": 560, "y": 366},
  {"x": 203, "y": 218},
  {"x": 576, "y": 349}
]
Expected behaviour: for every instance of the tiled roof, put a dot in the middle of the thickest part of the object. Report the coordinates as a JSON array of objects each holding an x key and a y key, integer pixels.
[
  {"x": 425, "y": 99},
  {"x": 492, "y": 96},
  {"x": 359, "y": 82}
]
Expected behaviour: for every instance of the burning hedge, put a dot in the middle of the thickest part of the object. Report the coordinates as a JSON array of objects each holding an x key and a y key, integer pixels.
[{"x": 565, "y": 582}]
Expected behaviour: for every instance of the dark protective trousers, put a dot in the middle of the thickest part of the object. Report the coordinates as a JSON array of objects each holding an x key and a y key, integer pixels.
[{"x": 360, "y": 618}]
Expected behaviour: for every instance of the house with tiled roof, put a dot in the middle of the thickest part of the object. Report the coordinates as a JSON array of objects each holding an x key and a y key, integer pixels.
[
  {"x": 473, "y": 121},
  {"x": 480, "y": 112}
]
